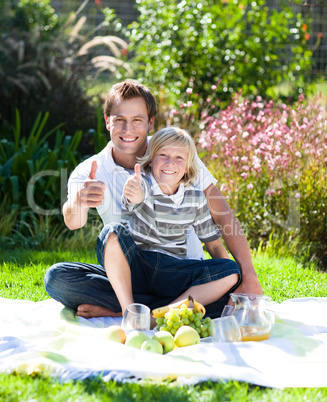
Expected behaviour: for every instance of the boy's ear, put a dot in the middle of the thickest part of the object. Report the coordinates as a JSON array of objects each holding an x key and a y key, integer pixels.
[{"x": 107, "y": 119}]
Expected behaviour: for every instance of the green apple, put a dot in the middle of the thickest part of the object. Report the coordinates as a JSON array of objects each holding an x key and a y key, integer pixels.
[
  {"x": 151, "y": 345},
  {"x": 186, "y": 336},
  {"x": 166, "y": 339},
  {"x": 136, "y": 338},
  {"x": 115, "y": 333}
]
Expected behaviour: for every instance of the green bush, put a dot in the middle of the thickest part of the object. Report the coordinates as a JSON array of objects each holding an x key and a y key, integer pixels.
[
  {"x": 35, "y": 16},
  {"x": 33, "y": 174},
  {"x": 234, "y": 45},
  {"x": 35, "y": 75},
  {"x": 46, "y": 66}
]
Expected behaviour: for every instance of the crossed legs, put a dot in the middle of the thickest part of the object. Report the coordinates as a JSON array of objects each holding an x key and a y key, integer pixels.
[{"x": 119, "y": 274}]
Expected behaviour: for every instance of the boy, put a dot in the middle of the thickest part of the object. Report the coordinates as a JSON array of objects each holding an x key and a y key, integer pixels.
[{"x": 145, "y": 260}]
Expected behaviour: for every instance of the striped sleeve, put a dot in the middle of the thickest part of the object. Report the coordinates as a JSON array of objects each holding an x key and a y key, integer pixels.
[{"x": 204, "y": 226}]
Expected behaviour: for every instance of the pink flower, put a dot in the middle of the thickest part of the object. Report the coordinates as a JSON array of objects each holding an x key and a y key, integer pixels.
[
  {"x": 298, "y": 154},
  {"x": 250, "y": 186},
  {"x": 189, "y": 103},
  {"x": 256, "y": 162},
  {"x": 189, "y": 91},
  {"x": 214, "y": 156},
  {"x": 213, "y": 87},
  {"x": 223, "y": 187},
  {"x": 297, "y": 195}
]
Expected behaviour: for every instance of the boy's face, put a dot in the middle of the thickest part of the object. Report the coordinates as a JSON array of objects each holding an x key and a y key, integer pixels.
[
  {"x": 129, "y": 125},
  {"x": 168, "y": 168}
]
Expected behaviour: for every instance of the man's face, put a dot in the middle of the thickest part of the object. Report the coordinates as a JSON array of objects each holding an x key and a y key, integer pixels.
[{"x": 129, "y": 126}]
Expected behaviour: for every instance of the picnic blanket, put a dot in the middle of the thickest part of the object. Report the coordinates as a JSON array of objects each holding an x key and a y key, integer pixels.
[{"x": 46, "y": 337}]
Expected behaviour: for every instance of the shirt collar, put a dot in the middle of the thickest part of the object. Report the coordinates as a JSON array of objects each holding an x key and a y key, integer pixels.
[
  {"x": 177, "y": 198},
  {"x": 111, "y": 165}
]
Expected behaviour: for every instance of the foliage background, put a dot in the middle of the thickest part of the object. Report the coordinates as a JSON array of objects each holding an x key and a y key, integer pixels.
[
  {"x": 209, "y": 63},
  {"x": 235, "y": 45}
]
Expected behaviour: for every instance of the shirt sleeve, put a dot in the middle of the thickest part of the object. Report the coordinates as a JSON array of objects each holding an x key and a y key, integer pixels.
[
  {"x": 204, "y": 226},
  {"x": 205, "y": 178}
]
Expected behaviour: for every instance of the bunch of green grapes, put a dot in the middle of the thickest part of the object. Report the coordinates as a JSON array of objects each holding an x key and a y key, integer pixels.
[{"x": 177, "y": 317}]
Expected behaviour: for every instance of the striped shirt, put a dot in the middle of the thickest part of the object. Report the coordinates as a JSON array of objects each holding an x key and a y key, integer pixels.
[{"x": 160, "y": 222}]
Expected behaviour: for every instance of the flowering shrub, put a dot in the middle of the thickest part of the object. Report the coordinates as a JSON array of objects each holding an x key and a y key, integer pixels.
[{"x": 270, "y": 161}]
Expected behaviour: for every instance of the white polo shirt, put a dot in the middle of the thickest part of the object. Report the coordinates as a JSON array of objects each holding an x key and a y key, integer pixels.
[{"x": 114, "y": 177}]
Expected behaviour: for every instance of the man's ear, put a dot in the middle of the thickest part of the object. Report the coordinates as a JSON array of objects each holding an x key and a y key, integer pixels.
[{"x": 151, "y": 124}]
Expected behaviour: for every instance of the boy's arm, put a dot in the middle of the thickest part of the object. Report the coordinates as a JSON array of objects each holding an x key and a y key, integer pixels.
[{"x": 234, "y": 238}]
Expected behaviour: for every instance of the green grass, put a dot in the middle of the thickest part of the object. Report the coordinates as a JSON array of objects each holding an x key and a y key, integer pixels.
[
  {"x": 320, "y": 88},
  {"x": 21, "y": 277}
]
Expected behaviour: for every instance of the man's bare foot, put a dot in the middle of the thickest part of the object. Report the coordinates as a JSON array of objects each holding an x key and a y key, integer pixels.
[{"x": 91, "y": 311}]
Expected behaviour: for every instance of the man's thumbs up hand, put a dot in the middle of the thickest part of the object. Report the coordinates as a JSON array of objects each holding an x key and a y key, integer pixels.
[
  {"x": 91, "y": 194},
  {"x": 133, "y": 190}
]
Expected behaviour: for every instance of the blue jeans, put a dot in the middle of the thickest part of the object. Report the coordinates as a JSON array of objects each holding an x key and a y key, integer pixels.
[{"x": 157, "y": 279}]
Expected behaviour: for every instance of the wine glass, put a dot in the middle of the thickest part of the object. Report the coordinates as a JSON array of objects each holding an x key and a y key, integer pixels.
[
  {"x": 226, "y": 329},
  {"x": 136, "y": 317}
]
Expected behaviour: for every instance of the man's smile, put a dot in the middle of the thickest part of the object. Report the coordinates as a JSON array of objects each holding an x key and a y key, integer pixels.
[{"x": 124, "y": 139}]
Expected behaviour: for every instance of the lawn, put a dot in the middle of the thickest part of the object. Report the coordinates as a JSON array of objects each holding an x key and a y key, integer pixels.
[{"x": 21, "y": 277}]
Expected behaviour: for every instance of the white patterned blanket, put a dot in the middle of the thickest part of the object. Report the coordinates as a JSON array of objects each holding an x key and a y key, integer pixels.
[{"x": 44, "y": 336}]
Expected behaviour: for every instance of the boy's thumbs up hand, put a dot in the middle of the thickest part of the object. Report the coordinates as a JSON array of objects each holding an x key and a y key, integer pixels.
[
  {"x": 133, "y": 190},
  {"x": 91, "y": 194},
  {"x": 137, "y": 174}
]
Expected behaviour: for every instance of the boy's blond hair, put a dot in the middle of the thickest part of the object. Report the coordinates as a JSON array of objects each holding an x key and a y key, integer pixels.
[{"x": 172, "y": 137}]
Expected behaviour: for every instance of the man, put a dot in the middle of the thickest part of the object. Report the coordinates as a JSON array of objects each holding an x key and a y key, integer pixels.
[{"x": 98, "y": 182}]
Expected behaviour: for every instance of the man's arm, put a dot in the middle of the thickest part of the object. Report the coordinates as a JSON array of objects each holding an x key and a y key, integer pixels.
[
  {"x": 234, "y": 238},
  {"x": 216, "y": 249},
  {"x": 76, "y": 210}
]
